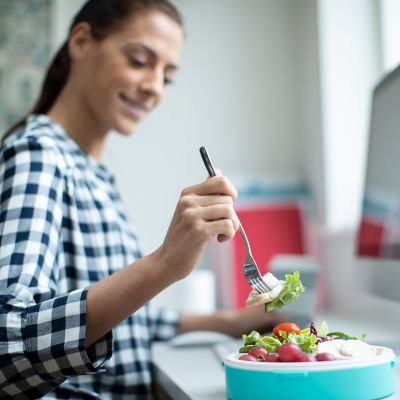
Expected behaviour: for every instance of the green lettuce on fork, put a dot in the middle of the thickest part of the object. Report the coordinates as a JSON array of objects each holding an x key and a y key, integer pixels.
[
  {"x": 291, "y": 291},
  {"x": 283, "y": 292}
]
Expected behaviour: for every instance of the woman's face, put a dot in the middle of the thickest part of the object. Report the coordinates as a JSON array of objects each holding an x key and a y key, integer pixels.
[{"x": 124, "y": 76}]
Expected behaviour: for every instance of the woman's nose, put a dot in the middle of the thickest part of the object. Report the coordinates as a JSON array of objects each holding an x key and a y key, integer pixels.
[{"x": 153, "y": 82}]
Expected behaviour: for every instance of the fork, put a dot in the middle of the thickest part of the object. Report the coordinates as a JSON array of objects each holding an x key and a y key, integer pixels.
[{"x": 250, "y": 269}]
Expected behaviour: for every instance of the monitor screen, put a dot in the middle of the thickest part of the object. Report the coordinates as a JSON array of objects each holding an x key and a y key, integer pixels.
[{"x": 378, "y": 239}]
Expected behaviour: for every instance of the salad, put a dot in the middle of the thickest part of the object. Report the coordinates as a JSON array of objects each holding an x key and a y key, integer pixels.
[
  {"x": 283, "y": 292},
  {"x": 290, "y": 343}
]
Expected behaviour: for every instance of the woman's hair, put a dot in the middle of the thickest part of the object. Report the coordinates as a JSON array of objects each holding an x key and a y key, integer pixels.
[{"x": 104, "y": 17}]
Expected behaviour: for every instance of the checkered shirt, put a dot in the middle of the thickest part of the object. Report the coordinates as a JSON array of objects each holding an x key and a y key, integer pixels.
[{"x": 62, "y": 228}]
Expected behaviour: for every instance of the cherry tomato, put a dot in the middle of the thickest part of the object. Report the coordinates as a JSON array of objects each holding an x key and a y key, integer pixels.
[
  {"x": 325, "y": 357},
  {"x": 258, "y": 352},
  {"x": 247, "y": 357},
  {"x": 272, "y": 357},
  {"x": 286, "y": 327},
  {"x": 289, "y": 352},
  {"x": 307, "y": 358}
]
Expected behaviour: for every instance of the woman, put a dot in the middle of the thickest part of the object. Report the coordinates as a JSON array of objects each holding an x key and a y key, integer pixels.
[{"x": 74, "y": 285}]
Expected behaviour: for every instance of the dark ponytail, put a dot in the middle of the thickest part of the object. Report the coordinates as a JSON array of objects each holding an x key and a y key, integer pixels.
[
  {"x": 54, "y": 81},
  {"x": 104, "y": 17}
]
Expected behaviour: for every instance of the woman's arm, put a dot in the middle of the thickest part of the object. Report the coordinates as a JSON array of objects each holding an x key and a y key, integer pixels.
[
  {"x": 116, "y": 297},
  {"x": 231, "y": 322}
]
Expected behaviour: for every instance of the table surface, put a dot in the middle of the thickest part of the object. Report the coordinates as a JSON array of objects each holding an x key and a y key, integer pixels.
[{"x": 205, "y": 379}]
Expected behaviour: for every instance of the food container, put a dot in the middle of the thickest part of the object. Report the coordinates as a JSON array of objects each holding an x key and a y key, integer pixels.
[{"x": 369, "y": 378}]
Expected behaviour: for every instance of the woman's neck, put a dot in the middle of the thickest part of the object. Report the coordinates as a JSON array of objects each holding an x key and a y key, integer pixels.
[{"x": 71, "y": 112}]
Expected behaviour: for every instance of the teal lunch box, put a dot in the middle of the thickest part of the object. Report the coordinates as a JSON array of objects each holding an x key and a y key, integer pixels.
[{"x": 369, "y": 378}]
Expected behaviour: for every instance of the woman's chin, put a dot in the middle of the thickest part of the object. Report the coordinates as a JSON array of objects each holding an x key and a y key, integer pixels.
[{"x": 125, "y": 128}]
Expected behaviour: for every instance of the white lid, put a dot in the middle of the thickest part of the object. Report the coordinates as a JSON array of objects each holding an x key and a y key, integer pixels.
[{"x": 232, "y": 360}]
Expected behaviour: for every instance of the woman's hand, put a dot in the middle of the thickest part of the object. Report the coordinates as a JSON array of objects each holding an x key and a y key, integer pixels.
[{"x": 203, "y": 211}]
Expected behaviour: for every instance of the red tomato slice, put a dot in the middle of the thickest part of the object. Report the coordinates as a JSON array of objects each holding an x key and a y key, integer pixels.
[{"x": 286, "y": 327}]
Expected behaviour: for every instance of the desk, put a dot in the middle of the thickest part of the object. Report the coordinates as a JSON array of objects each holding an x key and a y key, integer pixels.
[
  {"x": 193, "y": 373},
  {"x": 196, "y": 373}
]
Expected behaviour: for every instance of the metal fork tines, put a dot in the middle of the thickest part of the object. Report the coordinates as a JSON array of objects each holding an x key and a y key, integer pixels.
[{"x": 250, "y": 269}]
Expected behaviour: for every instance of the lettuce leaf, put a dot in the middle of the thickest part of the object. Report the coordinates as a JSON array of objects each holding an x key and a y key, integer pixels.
[
  {"x": 291, "y": 291},
  {"x": 254, "y": 339},
  {"x": 269, "y": 343},
  {"x": 306, "y": 342},
  {"x": 251, "y": 338},
  {"x": 341, "y": 335},
  {"x": 322, "y": 330}
]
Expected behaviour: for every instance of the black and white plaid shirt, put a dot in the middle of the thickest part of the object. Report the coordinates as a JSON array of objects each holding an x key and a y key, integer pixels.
[{"x": 62, "y": 228}]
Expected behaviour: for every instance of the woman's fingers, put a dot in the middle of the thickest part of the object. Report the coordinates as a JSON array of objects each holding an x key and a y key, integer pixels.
[
  {"x": 220, "y": 211},
  {"x": 217, "y": 185},
  {"x": 208, "y": 208},
  {"x": 217, "y": 220},
  {"x": 211, "y": 203},
  {"x": 198, "y": 216},
  {"x": 222, "y": 228},
  {"x": 191, "y": 200}
]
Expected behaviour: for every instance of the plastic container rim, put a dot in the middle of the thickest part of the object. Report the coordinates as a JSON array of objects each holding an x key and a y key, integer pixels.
[{"x": 232, "y": 360}]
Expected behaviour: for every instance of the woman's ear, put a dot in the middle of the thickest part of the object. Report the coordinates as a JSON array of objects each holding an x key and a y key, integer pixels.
[{"x": 79, "y": 40}]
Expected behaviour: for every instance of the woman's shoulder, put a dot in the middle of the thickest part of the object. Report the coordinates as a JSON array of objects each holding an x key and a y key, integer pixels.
[
  {"x": 37, "y": 129},
  {"x": 40, "y": 135}
]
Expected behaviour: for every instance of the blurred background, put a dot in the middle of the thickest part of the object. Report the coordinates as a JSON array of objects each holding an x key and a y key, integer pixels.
[{"x": 279, "y": 92}]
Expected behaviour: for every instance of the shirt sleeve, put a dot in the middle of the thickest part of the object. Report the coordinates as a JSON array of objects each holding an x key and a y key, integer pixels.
[
  {"x": 163, "y": 322},
  {"x": 42, "y": 333}
]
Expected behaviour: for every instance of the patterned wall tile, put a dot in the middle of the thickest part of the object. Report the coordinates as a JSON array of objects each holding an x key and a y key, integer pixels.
[{"x": 24, "y": 52}]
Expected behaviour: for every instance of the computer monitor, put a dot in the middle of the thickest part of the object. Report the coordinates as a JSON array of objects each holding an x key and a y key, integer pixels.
[{"x": 378, "y": 238}]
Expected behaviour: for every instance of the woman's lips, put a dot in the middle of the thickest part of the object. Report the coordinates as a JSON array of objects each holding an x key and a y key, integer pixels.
[{"x": 134, "y": 109}]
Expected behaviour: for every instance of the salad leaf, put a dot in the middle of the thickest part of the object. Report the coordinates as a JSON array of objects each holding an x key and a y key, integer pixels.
[
  {"x": 306, "y": 342},
  {"x": 291, "y": 291},
  {"x": 251, "y": 338},
  {"x": 254, "y": 339},
  {"x": 245, "y": 349},
  {"x": 340, "y": 335},
  {"x": 323, "y": 329},
  {"x": 270, "y": 343},
  {"x": 322, "y": 333}
]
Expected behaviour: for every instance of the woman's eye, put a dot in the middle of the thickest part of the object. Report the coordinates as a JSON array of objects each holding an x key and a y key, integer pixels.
[
  {"x": 168, "y": 81},
  {"x": 137, "y": 62}
]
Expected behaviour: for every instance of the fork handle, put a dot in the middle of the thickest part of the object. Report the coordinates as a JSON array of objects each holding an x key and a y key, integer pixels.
[
  {"x": 249, "y": 256},
  {"x": 211, "y": 172},
  {"x": 207, "y": 162}
]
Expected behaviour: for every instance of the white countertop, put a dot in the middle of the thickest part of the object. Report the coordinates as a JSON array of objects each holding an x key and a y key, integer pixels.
[{"x": 196, "y": 373}]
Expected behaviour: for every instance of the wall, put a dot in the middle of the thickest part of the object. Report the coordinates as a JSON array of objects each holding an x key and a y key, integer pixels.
[
  {"x": 348, "y": 34},
  {"x": 23, "y": 56},
  {"x": 307, "y": 55}
]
